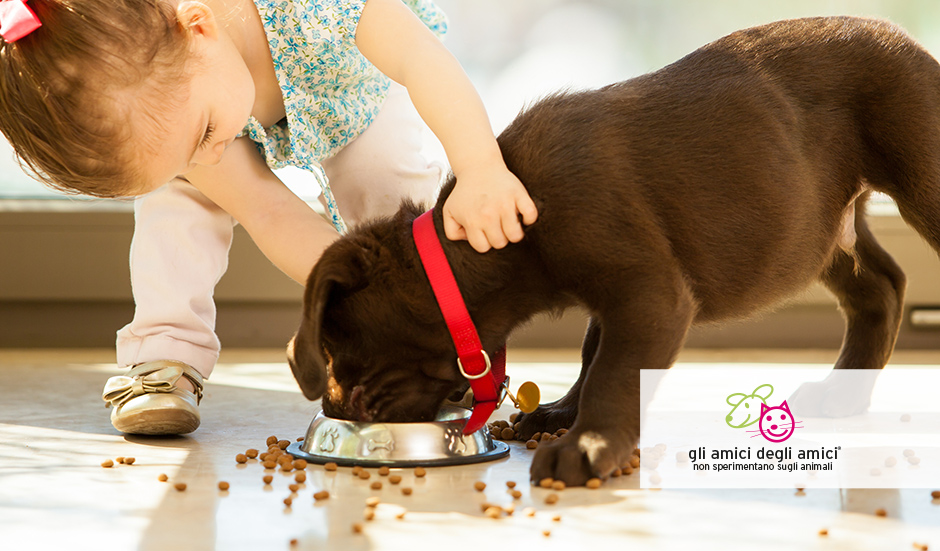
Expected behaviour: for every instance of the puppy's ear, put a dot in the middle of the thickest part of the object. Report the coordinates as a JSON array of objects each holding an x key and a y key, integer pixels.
[{"x": 343, "y": 270}]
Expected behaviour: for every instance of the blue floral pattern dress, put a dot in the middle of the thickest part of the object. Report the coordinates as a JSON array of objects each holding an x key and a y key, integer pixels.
[{"x": 331, "y": 92}]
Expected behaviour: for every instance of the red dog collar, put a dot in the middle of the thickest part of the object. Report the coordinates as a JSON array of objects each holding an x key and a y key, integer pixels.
[{"x": 487, "y": 377}]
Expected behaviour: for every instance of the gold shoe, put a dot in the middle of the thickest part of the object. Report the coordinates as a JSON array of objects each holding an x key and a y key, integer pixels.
[{"x": 146, "y": 399}]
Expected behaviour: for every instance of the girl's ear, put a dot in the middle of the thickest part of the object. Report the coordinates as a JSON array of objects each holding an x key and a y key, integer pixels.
[{"x": 197, "y": 18}]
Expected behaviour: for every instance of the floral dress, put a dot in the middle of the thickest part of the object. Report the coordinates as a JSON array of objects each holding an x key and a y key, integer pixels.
[{"x": 331, "y": 92}]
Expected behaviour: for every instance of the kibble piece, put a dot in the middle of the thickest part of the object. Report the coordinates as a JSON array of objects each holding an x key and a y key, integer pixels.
[
  {"x": 553, "y": 438},
  {"x": 551, "y": 499},
  {"x": 163, "y": 477},
  {"x": 268, "y": 464},
  {"x": 356, "y": 470},
  {"x": 321, "y": 495},
  {"x": 627, "y": 470},
  {"x": 383, "y": 470},
  {"x": 288, "y": 501},
  {"x": 406, "y": 491},
  {"x": 891, "y": 461},
  {"x": 400, "y": 516},
  {"x": 537, "y": 436},
  {"x": 823, "y": 532},
  {"x": 330, "y": 466},
  {"x": 285, "y": 459},
  {"x": 507, "y": 433},
  {"x": 180, "y": 487},
  {"x": 531, "y": 444},
  {"x": 300, "y": 464},
  {"x": 529, "y": 511},
  {"x": 420, "y": 472},
  {"x": 546, "y": 436},
  {"x": 223, "y": 485},
  {"x": 546, "y": 533},
  {"x": 493, "y": 512},
  {"x": 558, "y": 485},
  {"x": 287, "y": 467},
  {"x": 485, "y": 505},
  {"x": 881, "y": 513},
  {"x": 251, "y": 453},
  {"x": 376, "y": 485},
  {"x": 300, "y": 477},
  {"x": 293, "y": 487},
  {"x": 594, "y": 483},
  {"x": 908, "y": 453},
  {"x": 905, "y": 418},
  {"x": 479, "y": 486},
  {"x": 394, "y": 479},
  {"x": 561, "y": 432},
  {"x": 546, "y": 482},
  {"x": 369, "y": 513},
  {"x": 364, "y": 475},
  {"x": 913, "y": 460},
  {"x": 293, "y": 542},
  {"x": 635, "y": 461},
  {"x": 271, "y": 441},
  {"x": 283, "y": 444},
  {"x": 516, "y": 494},
  {"x": 301, "y": 438},
  {"x": 935, "y": 494},
  {"x": 267, "y": 479},
  {"x": 373, "y": 502},
  {"x": 241, "y": 458},
  {"x": 119, "y": 460},
  {"x": 556, "y": 518},
  {"x": 513, "y": 417},
  {"x": 510, "y": 484},
  {"x": 107, "y": 463}
]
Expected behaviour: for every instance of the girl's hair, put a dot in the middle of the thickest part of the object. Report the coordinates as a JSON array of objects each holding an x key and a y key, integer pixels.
[{"x": 61, "y": 89}]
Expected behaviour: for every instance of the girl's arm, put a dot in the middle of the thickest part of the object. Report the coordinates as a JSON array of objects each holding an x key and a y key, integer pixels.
[
  {"x": 290, "y": 233},
  {"x": 486, "y": 203}
]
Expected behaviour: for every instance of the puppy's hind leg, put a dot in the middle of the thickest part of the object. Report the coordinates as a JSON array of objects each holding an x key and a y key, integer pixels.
[
  {"x": 561, "y": 413},
  {"x": 869, "y": 286}
]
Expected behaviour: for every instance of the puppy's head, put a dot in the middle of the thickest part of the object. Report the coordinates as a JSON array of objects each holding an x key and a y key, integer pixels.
[{"x": 372, "y": 341}]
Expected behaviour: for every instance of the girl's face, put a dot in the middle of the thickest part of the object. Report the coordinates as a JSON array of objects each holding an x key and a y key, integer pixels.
[{"x": 197, "y": 130}]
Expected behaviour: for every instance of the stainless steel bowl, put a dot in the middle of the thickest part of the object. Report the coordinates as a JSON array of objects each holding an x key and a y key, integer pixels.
[{"x": 440, "y": 442}]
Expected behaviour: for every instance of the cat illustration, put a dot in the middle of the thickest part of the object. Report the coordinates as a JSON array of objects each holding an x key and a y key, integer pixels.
[{"x": 776, "y": 423}]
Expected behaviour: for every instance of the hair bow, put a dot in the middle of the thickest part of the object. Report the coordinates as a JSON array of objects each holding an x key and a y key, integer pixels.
[{"x": 16, "y": 20}]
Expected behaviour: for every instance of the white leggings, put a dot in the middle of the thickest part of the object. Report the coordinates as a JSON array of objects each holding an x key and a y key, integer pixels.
[{"x": 182, "y": 239}]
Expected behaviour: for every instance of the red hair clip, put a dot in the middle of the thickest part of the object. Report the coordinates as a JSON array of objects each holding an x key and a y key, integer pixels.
[{"x": 16, "y": 20}]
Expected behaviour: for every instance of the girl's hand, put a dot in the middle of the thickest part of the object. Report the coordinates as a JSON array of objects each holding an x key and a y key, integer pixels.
[{"x": 484, "y": 208}]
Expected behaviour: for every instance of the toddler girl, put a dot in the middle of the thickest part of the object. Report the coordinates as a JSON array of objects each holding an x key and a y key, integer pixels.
[{"x": 189, "y": 105}]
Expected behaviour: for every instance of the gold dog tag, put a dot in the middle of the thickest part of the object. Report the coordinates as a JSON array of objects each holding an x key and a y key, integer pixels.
[{"x": 527, "y": 397}]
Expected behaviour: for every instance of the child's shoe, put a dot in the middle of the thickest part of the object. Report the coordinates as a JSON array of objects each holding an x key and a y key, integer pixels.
[{"x": 146, "y": 399}]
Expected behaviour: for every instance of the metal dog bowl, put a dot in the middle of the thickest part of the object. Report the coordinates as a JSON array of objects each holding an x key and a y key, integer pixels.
[{"x": 437, "y": 443}]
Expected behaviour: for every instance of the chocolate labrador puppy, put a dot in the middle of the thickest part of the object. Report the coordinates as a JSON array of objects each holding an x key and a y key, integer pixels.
[{"x": 711, "y": 189}]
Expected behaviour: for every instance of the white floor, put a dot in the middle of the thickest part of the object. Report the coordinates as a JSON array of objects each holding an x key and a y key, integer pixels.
[{"x": 54, "y": 494}]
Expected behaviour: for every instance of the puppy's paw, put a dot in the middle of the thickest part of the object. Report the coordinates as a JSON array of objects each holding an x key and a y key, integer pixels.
[
  {"x": 546, "y": 418},
  {"x": 577, "y": 457},
  {"x": 833, "y": 397}
]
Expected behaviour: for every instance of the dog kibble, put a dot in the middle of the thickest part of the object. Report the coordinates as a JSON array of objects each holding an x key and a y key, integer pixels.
[
  {"x": 909, "y": 453},
  {"x": 369, "y": 513},
  {"x": 558, "y": 485},
  {"x": 241, "y": 458},
  {"x": 180, "y": 487},
  {"x": 300, "y": 478},
  {"x": 283, "y": 444},
  {"x": 330, "y": 466},
  {"x": 406, "y": 491},
  {"x": 163, "y": 477},
  {"x": 561, "y": 432},
  {"x": 107, "y": 463},
  {"x": 513, "y": 417},
  {"x": 223, "y": 485},
  {"x": 288, "y": 501},
  {"x": 616, "y": 472},
  {"x": 881, "y": 513},
  {"x": 594, "y": 483},
  {"x": 891, "y": 461},
  {"x": 824, "y": 532},
  {"x": 913, "y": 460},
  {"x": 516, "y": 494},
  {"x": 373, "y": 502},
  {"x": 420, "y": 472},
  {"x": 383, "y": 471},
  {"x": 635, "y": 461},
  {"x": 119, "y": 460},
  {"x": 546, "y": 437},
  {"x": 287, "y": 467},
  {"x": 129, "y": 460},
  {"x": 356, "y": 470},
  {"x": 271, "y": 441},
  {"x": 551, "y": 499},
  {"x": 546, "y": 482},
  {"x": 479, "y": 486},
  {"x": 251, "y": 453},
  {"x": 300, "y": 464},
  {"x": 507, "y": 433},
  {"x": 357, "y": 528},
  {"x": 285, "y": 459},
  {"x": 267, "y": 479},
  {"x": 293, "y": 487},
  {"x": 364, "y": 475},
  {"x": 906, "y": 418},
  {"x": 493, "y": 512},
  {"x": 268, "y": 464},
  {"x": 531, "y": 444},
  {"x": 510, "y": 484},
  {"x": 293, "y": 542},
  {"x": 529, "y": 511},
  {"x": 321, "y": 495},
  {"x": 546, "y": 533},
  {"x": 626, "y": 470},
  {"x": 935, "y": 494},
  {"x": 376, "y": 485},
  {"x": 537, "y": 436},
  {"x": 394, "y": 479},
  {"x": 400, "y": 516},
  {"x": 556, "y": 518}
]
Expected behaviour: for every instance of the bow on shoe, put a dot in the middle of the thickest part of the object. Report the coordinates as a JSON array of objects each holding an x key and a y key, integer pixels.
[
  {"x": 121, "y": 389},
  {"x": 16, "y": 20}
]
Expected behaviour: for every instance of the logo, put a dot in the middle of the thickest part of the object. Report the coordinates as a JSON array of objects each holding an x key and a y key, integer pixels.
[{"x": 774, "y": 423}]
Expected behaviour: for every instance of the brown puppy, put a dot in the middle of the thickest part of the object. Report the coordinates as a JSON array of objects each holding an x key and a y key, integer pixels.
[{"x": 708, "y": 190}]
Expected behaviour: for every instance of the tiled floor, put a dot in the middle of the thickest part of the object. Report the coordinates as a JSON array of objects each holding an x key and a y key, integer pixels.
[{"x": 54, "y": 434}]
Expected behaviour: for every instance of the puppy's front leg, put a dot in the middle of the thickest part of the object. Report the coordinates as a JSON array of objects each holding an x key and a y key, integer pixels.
[{"x": 607, "y": 425}]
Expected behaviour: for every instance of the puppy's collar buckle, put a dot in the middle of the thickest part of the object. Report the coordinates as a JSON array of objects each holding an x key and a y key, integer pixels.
[{"x": 489, "y": 367}]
